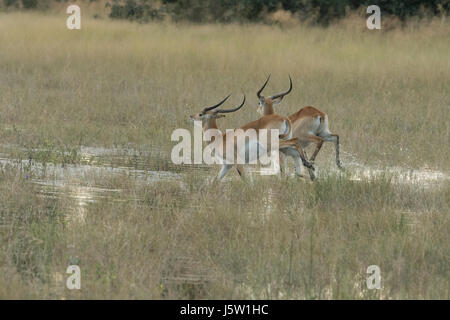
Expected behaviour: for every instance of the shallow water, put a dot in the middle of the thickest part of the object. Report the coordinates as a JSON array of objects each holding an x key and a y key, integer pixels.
[
  {"x": 81, "y": 183},
  {"x": 423, "y": 177}
]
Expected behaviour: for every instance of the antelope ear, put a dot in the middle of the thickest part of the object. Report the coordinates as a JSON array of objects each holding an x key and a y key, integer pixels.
[
  {"x": 277, "y": 100},
  {"x": 220, "y": 116}
]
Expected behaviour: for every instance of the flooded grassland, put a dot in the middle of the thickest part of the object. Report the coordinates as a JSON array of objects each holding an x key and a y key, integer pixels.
[
  {"x": 143, "y": 233},
  {"x": 86, "y": 177}
]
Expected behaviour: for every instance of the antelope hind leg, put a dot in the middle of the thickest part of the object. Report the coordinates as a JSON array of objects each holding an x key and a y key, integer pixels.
[{"x": 335, "y": 138}]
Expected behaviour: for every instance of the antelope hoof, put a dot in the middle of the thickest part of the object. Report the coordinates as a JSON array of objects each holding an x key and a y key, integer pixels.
[
  {"x": 309, "y": 165},
  {"x": 312, "y": 175},
  {"x": 339, "y": 165}
]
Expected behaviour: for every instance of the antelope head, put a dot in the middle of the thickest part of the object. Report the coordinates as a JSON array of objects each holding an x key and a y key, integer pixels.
[
  {"x": 265, "y": 104},
  {"x": 208, "y": 115}
]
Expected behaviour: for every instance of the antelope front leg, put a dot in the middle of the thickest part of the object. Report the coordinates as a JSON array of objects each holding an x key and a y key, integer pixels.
[
  {"x": 295, "y": 143},
  {"x": 240, "y": 170},
  {"x": 223, "y": 171},
  {"x": 282, "y": 163},
  {"x": 315, "y": 139},
  {"x": 311, "y": 168},
  {"x": 291, "y": 151}
]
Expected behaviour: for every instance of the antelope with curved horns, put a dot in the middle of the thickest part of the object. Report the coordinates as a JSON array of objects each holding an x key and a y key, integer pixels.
[
  {"x": 208, "y": 116},
  {"x": 309, "y": 125}
]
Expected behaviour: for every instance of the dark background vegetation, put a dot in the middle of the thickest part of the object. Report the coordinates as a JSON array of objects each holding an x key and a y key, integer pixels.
[{"x": 201, "y": 11}]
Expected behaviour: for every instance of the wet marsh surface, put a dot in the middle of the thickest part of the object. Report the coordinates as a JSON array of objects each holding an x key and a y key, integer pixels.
[
  {"x": 117, "y": 197},
  {"x": 96, "y": 172}
]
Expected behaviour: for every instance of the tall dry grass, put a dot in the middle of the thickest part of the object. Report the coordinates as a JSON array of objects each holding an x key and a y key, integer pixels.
[
  {"x": 273, "y": 240},
  {"x": 119, "y": 83},
  {"x": 125, "y": 84}
]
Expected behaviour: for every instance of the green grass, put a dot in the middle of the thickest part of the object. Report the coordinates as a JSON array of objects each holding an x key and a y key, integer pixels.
[{"x": 129, "y": 85}]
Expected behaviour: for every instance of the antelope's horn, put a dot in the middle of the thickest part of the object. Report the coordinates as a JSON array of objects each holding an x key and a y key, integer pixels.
[
  {"x": 262, "y": 88},
  {"x": 283, "y": 93},
  {"x": 232, "y": 110},
  {"x": 216, "y": 105}
]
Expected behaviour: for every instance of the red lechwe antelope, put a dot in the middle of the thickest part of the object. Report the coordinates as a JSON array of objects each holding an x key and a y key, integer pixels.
[
  {"x": 208, "y": 118},
  {"x": 308, "y": 125}
]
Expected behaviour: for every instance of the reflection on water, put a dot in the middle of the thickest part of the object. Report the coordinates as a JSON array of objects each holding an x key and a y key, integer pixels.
[
  {"x": 426, "y": 178},
  {"x": 80, "y": 196},
  {"x": 80, "y": 183}
]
